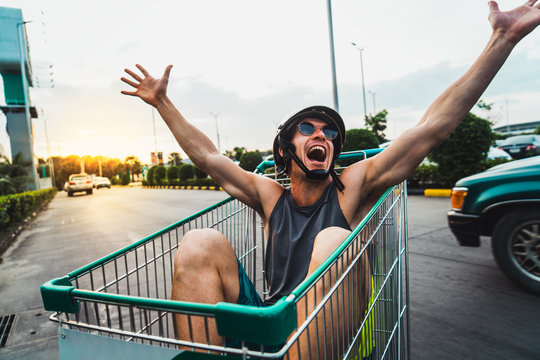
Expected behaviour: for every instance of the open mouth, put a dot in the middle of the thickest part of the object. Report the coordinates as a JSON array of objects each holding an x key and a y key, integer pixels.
[{"x": 317, "y": 153}]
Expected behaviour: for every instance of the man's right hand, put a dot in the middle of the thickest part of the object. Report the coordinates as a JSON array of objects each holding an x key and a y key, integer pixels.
[{"x": 149, "y": 89}]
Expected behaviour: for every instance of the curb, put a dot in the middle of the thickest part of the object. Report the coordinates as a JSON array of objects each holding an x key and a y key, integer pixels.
[
  {"x": 423, "y": 192},
  {"x": 430, "y": 192},
  {"x": 214, "y": 188}
]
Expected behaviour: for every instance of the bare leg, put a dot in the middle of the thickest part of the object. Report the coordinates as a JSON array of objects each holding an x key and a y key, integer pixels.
[
  {"x": 345, "y": 308},
  {"x": 205, "y": 271}
]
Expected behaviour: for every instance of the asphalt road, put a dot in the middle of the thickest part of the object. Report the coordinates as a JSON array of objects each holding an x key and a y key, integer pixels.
[{"x": 461, "y": 304}]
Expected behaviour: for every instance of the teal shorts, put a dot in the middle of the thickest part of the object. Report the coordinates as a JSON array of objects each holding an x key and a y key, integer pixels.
[{"x": 248, "y": 296}]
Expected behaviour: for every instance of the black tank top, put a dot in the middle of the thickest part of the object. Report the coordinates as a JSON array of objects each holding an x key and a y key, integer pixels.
[{"x": 292, "y": 233}]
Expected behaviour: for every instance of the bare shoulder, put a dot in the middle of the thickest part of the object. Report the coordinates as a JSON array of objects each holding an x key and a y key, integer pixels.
[
  {"x": 269, "y": 192},
  {"x": 351, "y": 199}
]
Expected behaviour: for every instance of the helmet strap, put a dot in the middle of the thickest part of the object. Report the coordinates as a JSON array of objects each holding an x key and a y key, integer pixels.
[{"x": 318, "y": 174}]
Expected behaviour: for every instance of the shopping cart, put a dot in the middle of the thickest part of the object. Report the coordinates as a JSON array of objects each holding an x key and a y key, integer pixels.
[{"x": 119, "y": 306}]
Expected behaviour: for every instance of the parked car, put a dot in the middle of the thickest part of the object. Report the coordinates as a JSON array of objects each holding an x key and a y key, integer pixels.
[
  {"x": 497, "y": 153},
  {"x": 79, "y": 183},
  {"x": 503, "y": 202},
  {"x": 521, "y": 146},
  {"x": 100, "y": 182}
]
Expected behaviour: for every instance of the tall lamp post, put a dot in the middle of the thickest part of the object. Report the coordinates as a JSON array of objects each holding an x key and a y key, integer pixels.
[
  {"x": 217, "y": 131},
  {"x": 155, "y": 137},
  {"x": 373, "y": 98},
  {"x": 360, "y": 50},
  {"x": 332, "y": 56}
]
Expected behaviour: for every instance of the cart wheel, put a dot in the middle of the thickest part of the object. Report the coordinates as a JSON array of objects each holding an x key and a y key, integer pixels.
[
  {"x": 89, "y": 192},
  {"x": 70, "y": 193},
  {"x": 516, "y": 247}
]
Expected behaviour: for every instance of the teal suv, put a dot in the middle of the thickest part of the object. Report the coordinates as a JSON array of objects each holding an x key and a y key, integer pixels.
[{"x": 504, "y": 203}]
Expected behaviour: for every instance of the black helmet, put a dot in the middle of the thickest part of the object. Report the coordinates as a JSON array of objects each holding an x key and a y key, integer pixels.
[{"x": 285, "y": 133}]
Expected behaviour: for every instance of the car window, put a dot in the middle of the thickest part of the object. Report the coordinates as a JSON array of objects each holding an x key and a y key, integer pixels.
[
  {"x": 518, "y": 140},
  {"x": 80, "y": 177}
]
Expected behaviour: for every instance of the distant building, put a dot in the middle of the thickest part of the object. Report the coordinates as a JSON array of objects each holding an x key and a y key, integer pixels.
[{"x": 516, "y": 129}]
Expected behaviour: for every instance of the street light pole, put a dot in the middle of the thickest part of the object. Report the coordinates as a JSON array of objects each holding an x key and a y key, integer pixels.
[
  {"x": 373, "y": 97},
  {"x": 332, "y": 56},
  {"x": 361, "y": 50},
  {"x": 155, "y": 137},
  {"x": 217, "y": 131}
]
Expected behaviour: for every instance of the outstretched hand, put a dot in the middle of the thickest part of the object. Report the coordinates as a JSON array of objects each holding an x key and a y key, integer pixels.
[
  {"x": 516, "y": 23},
  {"x": 149, "y": 89}
]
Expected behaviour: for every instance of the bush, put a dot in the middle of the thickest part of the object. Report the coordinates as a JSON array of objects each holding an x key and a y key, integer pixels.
[
  {"x": 199, "y": 174},
  {"x": 160, "y": 176},
  {"x": 186, "y": 172},
  {"x": 206, "y": 182},
  {"x": 125, "y": 179},
  {"x": 15, "y": 208},
  {"x": 150, "y": 175},
  {"x": 173, "y": 174},
  {"x": 250, "y": 160},
  {"x": 462, "y": 153},
  {"x": 425, "y": 175}
]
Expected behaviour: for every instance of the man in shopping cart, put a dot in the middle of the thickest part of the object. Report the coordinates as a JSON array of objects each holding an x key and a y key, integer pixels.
[{"x": 306, "y": 222}]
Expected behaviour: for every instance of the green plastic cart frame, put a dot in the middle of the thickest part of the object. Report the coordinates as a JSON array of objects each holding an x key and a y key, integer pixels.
[{"x": 119, "y": 306}]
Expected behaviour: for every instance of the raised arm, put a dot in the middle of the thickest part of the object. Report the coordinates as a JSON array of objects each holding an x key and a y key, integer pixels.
[
  {"x": 245, "y": 186},
  {"x": 400, "y": 159}
]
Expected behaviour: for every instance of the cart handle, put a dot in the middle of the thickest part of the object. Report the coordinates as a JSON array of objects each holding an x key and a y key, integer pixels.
[{"x": 343, "y": 156}]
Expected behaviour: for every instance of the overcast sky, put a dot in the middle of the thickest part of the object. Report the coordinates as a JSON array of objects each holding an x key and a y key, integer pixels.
[{"x": 254, "y": 62}]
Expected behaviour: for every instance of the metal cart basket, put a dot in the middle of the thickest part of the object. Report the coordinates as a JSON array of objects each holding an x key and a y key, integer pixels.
[{"x": 119, "y": 306}]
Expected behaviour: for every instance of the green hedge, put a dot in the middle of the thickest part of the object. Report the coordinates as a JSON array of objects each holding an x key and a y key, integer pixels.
[{"x": 15, "y": 208}]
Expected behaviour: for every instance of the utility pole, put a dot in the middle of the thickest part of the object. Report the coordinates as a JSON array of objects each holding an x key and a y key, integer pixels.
[
  {"x": 217, "y": 131},
  {"x": 373, "y": 98},
  {"x": 361, "y": 50},
  {"x": 155, "y": 137},
  {"x": 332, "y": 56}
]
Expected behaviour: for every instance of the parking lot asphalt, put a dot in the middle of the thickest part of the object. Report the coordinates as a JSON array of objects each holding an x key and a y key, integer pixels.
[{"x": 461, "y": 305}]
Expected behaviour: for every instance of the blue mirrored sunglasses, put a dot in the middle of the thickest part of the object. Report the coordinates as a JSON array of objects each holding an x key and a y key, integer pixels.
[{"x": 308, "y": 129}]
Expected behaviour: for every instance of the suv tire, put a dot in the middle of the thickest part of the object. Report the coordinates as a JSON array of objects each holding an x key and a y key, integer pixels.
[{"x": 516, "y": 247}]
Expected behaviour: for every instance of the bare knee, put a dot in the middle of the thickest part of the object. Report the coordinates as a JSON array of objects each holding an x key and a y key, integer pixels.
[
  {"x": 201, "y": 247},
  {"x": 326, "y": 242}
]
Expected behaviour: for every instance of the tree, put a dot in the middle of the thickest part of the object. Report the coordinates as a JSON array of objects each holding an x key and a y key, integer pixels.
[
  {"x": 14, "y": 176},
  {"x": 537, "y": 131},
  {"x": 377, "y": 124},
  {"x": 484, "y": 105},
  {"x": 236, "y": 153},
  {"x": 133, "y": 164},
  {"x": 462, "y": 153},
  {"x": 358, "y": 139},
  {"x": 250, "y": 160},
  {"x": 175, "y": 159}
]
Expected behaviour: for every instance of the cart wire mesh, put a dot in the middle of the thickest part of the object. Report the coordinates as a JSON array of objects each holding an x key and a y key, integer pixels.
[{"x": 126, "y": 295}]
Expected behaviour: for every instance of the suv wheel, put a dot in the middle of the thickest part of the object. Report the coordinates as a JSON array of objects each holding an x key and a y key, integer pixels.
[{"x": 516, "y": 248}]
